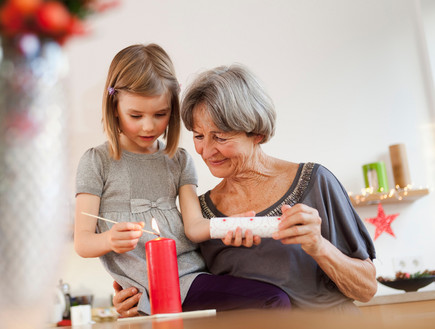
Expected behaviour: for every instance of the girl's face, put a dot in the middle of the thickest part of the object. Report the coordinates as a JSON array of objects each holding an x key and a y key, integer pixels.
[
  {"x": 142, "y": 120},
  {"x": 226, "y": 154}
]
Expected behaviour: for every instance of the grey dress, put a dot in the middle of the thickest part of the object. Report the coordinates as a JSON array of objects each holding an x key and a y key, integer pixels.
[
  {"x": 288, "y": 266},
  {"x": 137, "y": 188}
]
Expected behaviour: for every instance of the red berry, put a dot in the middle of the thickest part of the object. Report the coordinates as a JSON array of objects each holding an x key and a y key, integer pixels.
[
  {"x": 53, "y": 17},
  {"x": 76, "y": 26},
  {"x": 11, "y": 20},
  {"x": 26, "y": 6}
]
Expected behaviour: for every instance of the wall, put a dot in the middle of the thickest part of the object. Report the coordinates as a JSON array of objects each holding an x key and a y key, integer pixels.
[{"x": 348, "y": 78}]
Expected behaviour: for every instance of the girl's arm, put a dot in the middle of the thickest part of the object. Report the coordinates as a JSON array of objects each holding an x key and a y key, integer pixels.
[
  {"x": 196, "y": 227},
  {"x": 122, "y": 237}
]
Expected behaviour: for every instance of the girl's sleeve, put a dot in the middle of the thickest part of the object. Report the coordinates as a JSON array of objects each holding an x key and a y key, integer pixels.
[
  {"x": 90, "y": 178},
  {"x": 341, "y": 224},
  {"x": 188, "y": 171}
]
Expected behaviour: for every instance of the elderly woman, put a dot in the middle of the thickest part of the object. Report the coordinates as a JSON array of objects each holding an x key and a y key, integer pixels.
[{"x": 322, "y": 254}]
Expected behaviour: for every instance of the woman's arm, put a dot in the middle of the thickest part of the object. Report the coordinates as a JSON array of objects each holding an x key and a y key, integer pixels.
[
  {"x": 354, "y": 277},
  {"x": 122, "y": 237}
]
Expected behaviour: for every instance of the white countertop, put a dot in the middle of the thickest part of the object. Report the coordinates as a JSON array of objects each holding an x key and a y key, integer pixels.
[{"x": 402, "y": 297}]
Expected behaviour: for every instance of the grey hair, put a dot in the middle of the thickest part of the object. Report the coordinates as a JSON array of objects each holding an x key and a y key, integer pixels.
[{"x": 234, "y": 98}]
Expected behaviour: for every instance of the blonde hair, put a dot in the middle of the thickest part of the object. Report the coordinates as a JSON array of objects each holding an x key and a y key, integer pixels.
[
  {"x": 145, "y": 70},
  {"x": 234, "y": 98}
]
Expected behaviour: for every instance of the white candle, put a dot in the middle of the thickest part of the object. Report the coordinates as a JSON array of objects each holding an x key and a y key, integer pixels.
[{"x": 261, "y": 226}]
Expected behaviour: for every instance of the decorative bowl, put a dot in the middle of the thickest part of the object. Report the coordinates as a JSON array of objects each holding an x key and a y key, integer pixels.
[{"x": 409, "y": 284}]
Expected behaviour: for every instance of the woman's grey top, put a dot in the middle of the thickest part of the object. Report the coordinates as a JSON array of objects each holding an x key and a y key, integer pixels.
[{"x": 288, "y": 266}]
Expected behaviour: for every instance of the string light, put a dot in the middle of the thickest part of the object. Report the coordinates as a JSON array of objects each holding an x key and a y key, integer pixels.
[{"x": 369, "y": 196}]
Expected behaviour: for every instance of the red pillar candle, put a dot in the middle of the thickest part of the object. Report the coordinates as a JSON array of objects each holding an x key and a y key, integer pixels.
[{"x": 164, "y": 284}]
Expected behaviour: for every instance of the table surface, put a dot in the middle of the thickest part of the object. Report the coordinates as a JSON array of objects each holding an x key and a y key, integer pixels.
[{"x": 252, "y": 319}]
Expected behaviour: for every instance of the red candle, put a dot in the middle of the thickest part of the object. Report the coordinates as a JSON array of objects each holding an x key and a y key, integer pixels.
[{"x": 164, "y": 284}]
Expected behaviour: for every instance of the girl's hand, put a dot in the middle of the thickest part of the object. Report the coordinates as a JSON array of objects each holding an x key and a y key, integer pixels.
[
  {"x": 123, "y": 237},
  {"x": 248, "y": 241},
  {"x": 301, "y": 224},
  {"x": 125, "y": 301}
]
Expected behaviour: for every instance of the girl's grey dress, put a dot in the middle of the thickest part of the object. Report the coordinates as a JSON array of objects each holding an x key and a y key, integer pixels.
[{"x": 137, "y": 188}]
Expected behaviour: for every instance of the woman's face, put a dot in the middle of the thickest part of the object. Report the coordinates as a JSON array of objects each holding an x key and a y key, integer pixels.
[
  {"x": 225, "y": 153},
  {"x": 142, "y": 120}
]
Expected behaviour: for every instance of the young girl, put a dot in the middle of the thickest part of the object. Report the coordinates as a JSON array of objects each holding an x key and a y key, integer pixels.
[{"x": 134, "y": 177}]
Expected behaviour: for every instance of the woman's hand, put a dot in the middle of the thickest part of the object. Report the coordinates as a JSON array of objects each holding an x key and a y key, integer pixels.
[
  {"x": 300, "y": 224},
  {"x": 237, "y": 240},
  {"x": 125, "y": 301},
  {"x": 123, "y": 237}
]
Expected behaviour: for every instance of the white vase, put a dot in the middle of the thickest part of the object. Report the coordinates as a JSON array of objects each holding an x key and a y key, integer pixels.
[{"x": 33, "y": 185}]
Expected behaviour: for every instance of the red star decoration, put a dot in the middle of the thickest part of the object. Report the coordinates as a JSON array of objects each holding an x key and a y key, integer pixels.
[{"x": 382, "y": 222}]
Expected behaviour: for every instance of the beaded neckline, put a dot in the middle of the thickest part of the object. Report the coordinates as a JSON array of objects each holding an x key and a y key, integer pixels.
[{"x": 292, "y": 197}]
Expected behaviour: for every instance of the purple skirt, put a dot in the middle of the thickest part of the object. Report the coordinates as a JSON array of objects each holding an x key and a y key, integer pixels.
[{"x": 226, "y": 292}]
